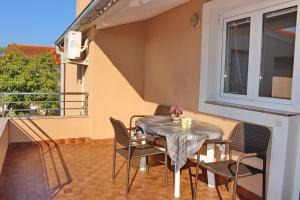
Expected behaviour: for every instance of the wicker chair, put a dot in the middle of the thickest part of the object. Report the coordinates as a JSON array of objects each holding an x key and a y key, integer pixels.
[
  {"x": 130, "y": 151},
  {"x": 251, "y": 140},
  {"x": 161, "y": 110}
]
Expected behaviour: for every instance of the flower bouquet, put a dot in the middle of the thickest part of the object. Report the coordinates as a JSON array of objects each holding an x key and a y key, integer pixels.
[{"x": 175, "y": 112}]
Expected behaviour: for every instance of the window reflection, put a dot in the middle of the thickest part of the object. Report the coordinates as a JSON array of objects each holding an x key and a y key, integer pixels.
[
  {"x": 237, "y": 56},
  {"x": 277, "y": 60}
]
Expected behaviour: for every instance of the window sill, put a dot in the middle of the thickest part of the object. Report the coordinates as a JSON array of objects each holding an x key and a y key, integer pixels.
[{"x": 254, "y": 108}]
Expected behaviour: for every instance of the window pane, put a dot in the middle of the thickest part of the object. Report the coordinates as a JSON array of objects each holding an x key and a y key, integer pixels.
[
  {"x": 237, "y": 56},
  {"x": 276, "y": 71}
]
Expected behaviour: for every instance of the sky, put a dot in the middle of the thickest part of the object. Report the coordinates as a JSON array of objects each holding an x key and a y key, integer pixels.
[{"x": 35, "y": 22}]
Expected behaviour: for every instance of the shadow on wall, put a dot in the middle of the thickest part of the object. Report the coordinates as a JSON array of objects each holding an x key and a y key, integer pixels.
[
  {"x": 159, "y": 57},
  {"x": 47, "y": 156},
  {"x": 124, "y": 46}
]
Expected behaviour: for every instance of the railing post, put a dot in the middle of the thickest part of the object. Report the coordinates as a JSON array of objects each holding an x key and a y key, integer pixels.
[
  {"x": 62, "y": 104},
  {"x": 86, "y": 106},
  {"x": 36, "y": 104}
]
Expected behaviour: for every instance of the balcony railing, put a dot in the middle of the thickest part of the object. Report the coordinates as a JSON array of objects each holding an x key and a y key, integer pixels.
[{"x": 22, "y": 104}]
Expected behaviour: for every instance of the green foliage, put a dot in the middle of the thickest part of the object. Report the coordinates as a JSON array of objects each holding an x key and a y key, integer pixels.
[
  {"x": 1, "y": 51},
  {"x": 19, "y": 73}
]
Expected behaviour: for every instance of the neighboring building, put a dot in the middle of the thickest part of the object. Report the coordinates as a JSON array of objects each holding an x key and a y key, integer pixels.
[{"x": 32, "y": 50}]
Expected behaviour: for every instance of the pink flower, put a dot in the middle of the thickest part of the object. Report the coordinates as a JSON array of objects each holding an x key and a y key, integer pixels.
[{"x": 176, "y": 110}]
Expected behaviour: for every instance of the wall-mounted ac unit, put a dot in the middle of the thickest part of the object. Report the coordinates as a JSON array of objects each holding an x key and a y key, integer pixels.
[{"x": 72, "y": 45}]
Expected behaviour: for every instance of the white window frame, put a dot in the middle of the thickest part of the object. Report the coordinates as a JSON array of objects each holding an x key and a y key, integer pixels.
[
  {"x": 211, "y": 71},
  {"x": 256, "y": 20},
  {"x": 255, "y": 47},
  {"x": 296, "y": 65},
  {"x": 224, "y": 37}
]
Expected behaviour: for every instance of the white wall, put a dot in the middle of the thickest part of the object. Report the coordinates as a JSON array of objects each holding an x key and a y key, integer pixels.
[
  {"x": 296, "y": 189},
  {"x": 211, "y": 54},
  {"x": 282, "y": 166},
  {"x": 276, "y": 159},
  {"x": 293, "y": 155}
]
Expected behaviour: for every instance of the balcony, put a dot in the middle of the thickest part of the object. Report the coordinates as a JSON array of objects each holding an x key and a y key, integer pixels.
[
  {"x": 48, "y": 170},
  {"x": 142, "y": 54},
  {"x": 49, "y": 154}
]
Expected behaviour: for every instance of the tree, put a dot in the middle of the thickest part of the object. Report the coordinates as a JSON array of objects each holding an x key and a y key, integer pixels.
[
  {"x": 20, "y": 73},
  {"x": 1, "y": 51}
]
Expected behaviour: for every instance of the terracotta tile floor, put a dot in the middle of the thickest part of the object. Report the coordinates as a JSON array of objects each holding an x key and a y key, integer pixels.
[{"x": 83, "y": 171}]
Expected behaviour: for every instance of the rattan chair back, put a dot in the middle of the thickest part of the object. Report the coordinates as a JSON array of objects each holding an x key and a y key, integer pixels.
[
  {"x": 250, "y": 138},
  {"x": 121, "y": 134},
  {"x": 162, "y": 110}
]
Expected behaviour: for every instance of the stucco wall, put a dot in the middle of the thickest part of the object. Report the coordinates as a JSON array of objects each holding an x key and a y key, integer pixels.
[
  {"x": 172, "y": 69},
  {"x": 116, "y": 77},
  {"x": 74, "y": 82},
  {"x": 36, "y": 129},
  {"x": 173, "y": 57},
  {"x": 172, "y": 62},
  {"x": 80, "y": 5}
]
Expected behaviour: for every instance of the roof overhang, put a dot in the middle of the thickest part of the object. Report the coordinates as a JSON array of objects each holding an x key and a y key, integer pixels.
[
  {"x": 128, "y": 11},
  {"x": 93, "y": 10},
  {"x": 109, "y": 13}
]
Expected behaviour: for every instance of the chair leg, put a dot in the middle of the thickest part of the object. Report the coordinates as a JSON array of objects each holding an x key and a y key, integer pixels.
[
  {"x": 234, "y": 189},
  {"x": 196, "y": 177},
  {"x": 228, "y": 185},
  {"x": 114, "y": 166},
  {"x": 264, "y": 178},
  {"x": 147, "y": 165},
  {"x": 264, "y": 186},
  {"x": 166, "y": 168},
  {"x": 127, "y": 176}
]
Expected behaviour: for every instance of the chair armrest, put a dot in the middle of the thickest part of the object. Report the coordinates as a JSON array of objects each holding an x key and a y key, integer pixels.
[
  {"x": 135, "y": 116},
  {"x": 247, "y": 155},
  {"x": 217, "y": 142},
  {"x": 241, "y": 157}
]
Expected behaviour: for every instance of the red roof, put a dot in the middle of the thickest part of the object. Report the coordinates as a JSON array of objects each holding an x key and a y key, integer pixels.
[
  {"x": 286, "y": 33},
  {"x": 30, "y": 50}
]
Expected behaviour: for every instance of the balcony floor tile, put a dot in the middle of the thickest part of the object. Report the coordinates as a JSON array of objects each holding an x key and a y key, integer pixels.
[{"x": 83, "y": 171}]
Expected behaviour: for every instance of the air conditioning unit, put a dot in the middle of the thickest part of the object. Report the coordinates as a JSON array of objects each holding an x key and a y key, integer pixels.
[{"x": 72, "y": 45}]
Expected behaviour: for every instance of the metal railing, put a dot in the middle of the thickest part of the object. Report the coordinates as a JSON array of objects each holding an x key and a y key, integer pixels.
[{"x": 18, "y": 104}]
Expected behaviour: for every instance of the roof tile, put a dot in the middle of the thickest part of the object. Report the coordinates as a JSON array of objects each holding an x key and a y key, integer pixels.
[{"x": 30, "y": 50}]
